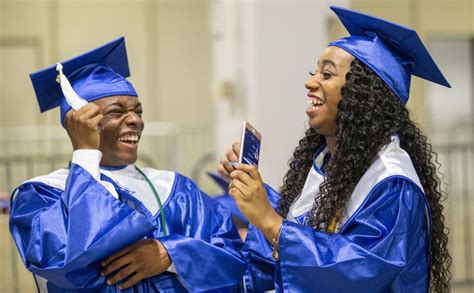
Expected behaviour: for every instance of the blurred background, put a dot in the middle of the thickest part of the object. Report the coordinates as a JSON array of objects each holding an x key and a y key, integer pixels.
[{"x": 201, "y": 67}]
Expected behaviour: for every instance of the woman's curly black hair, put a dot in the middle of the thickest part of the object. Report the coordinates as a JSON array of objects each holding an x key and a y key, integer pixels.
[{"x": 369, "y": 114}]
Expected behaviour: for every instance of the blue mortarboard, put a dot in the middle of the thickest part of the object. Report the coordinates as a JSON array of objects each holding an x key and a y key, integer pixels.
[
  {"x": 225, "y": 199},
  {"x": 392, "y": 51},
  {"x": 93, "y": 75}
]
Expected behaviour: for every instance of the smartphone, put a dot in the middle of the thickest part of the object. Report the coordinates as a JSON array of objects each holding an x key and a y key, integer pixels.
[{"x": 249, "y": 145}]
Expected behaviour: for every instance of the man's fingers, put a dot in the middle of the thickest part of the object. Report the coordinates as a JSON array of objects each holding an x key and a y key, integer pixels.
[
  {"x": 116, "y": 265},
  {"x": 83, "y": 114},
  {"x": 89, "y": 109},
  {"x": 68, "y": 118},
  {"x": 70, "y": 113},
  {"x": 132, "y": 281},
  {"x": 122, "y": 274},
  {"x": 94, "y": 122},
  {"x": 118, "y": 254}
]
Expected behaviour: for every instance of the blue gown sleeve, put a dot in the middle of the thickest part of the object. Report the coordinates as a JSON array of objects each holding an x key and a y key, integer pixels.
[
  {"x": 389, "y": 234},
  {"x": 62, "y": 235},
  {"x": 206, "y": 255}
]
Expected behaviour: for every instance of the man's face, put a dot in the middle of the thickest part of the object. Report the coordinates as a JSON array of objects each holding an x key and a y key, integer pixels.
[{"x": 120, "y": 129}]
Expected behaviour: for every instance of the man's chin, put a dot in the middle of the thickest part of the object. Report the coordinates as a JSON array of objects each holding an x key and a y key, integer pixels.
[
  {"x": 129, "y": 160},
  {"x": 117, "y": 161}
]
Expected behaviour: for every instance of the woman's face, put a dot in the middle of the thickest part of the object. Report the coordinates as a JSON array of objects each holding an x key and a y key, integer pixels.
[{"x": 324, "y": 89}]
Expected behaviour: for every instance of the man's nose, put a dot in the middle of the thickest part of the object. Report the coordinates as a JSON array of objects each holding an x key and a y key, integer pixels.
[{"x": 133, "y": 118}]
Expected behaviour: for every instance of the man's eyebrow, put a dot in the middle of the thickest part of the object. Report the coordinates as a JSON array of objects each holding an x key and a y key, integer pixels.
[
  {"x": 113, "y": 104},
  {"x": 121, "y": 105}
]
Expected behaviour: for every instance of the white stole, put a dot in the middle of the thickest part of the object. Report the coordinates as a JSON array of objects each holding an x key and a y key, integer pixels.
[{"x": 391, "y": 160}]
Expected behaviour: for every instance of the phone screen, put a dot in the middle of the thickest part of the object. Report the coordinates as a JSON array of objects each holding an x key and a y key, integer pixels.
[{"x": 251, "y": 148}]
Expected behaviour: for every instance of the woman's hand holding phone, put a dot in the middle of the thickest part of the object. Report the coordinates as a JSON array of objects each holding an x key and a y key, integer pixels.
[
  {"x": 246, "y": 185},
  {"x": 228, "y": 160},
  {"x": 247, "y": 189},
  {"x": 245, "y": 152}
]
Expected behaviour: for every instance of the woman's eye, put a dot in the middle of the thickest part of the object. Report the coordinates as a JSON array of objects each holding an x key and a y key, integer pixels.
[
  {"x": 312, "y": 73},
  {"x": 327, "y": 75}
]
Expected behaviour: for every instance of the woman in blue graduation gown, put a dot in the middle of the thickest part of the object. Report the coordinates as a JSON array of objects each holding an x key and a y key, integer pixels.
[{"x": 360, "y": 209}]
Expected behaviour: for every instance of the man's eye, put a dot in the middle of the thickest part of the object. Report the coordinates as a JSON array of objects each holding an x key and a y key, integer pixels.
[{"x": 114, "y": 112}]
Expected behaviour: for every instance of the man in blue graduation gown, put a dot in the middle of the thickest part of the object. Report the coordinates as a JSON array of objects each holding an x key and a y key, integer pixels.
[{"x": 104, "y": 224}]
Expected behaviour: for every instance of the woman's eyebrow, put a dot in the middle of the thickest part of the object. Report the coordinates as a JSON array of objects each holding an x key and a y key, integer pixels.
[{"x": 328, "y": 61}]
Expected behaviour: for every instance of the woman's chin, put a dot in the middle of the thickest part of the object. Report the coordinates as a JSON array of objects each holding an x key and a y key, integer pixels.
[
  {"x": 321, "y": 130},
  {"x": 315, "y": 126}
]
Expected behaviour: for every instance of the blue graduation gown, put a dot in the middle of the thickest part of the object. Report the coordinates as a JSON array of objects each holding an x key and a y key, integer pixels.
[
  {"x": 62, "y": 235},
  {"x": 383, "y": 246}
]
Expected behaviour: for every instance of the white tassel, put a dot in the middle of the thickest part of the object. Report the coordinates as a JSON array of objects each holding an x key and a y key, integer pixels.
[{"x": 72, "y": 98}]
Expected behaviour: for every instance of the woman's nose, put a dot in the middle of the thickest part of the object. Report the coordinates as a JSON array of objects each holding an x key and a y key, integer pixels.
[{"x": 312, "y": 82}]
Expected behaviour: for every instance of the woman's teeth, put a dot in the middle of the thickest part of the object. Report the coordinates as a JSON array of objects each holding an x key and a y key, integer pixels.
[{"x": 313, "y": 103}]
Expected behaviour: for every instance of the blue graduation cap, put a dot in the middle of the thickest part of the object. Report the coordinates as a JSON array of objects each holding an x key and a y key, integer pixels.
[
  {"x": 394, "y": 52},
  {"x": 96, "y": 74}
]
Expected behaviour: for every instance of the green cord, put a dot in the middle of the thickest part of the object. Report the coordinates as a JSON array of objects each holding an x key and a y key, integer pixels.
[{"x": 162, "y": 212}]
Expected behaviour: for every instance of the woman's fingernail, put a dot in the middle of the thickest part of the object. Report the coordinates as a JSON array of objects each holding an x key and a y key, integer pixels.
[{"x": 232, "y": 164}]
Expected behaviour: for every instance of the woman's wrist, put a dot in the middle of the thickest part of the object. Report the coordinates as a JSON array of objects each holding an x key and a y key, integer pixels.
[
  {"x": 272, "y": 231},
  {"x": 271, "y": 226},
  {"x": 276, "y": 245}
]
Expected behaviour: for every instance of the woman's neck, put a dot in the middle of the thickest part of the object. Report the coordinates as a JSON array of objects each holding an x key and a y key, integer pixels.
[{"x": 331, "y": 143}]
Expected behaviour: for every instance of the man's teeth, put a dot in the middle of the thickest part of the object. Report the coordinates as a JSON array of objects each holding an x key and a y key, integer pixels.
[{"x": 129, "y": 138}]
